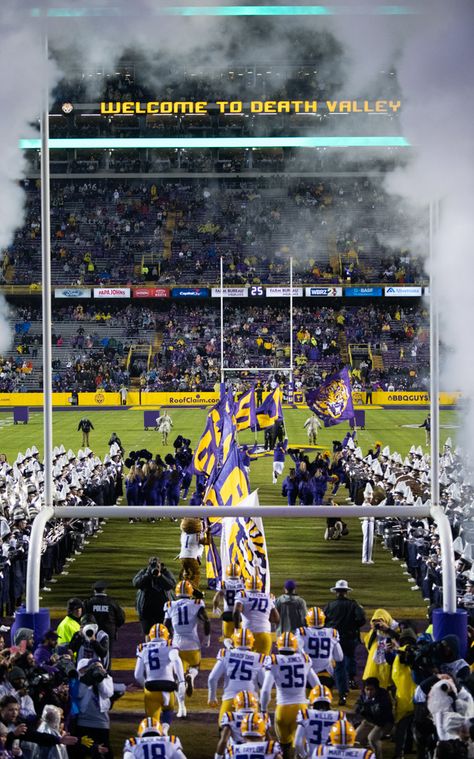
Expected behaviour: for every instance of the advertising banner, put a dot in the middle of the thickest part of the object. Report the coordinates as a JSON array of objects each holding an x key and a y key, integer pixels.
[
  {"x": 283, "y": 292},
  {"x": 323, "y": 292},
  {"x": 73, "y": 292},
  {"x": 362, "y": 292},
  {"x": 151, "y": 292},
  {"x": 173, "y": 399},
  {"x": 403, "y": 292},
  {"x": 230, "y": 292},
  {"x": 111, "y": 292},
  {"x": 190, "y": 292}
]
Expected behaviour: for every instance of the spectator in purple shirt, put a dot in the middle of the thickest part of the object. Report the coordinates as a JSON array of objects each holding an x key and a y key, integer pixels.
[{"x": 44, "y": 653}]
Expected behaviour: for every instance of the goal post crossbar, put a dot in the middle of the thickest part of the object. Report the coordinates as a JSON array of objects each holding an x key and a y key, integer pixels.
[{"x": 282, "y": 512}]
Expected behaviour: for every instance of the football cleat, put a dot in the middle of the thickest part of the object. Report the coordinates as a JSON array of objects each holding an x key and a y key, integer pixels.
[
  {"x": 149, "y": 726},
  {"x": 243, "y": 638},
  {"x": 158, "y": 631},
  {"x": 245, "y": 701},
  {"x": 342, "y": 733},
  {"x": 253, "y": 583},
  {"x": 253, "y": 725},
  {"x": 184, "y": 589},
  {"x": 320, "y": 693},
  {"x": 233, "y": 570},
  {"x": 287, "y": 642},
  {"x": 315, "y": 617}
]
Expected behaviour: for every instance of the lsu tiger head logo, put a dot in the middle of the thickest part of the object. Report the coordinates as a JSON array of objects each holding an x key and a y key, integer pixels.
[{"x": 333, "y": 399}]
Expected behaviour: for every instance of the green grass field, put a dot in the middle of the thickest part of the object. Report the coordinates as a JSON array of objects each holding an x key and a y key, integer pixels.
[{"x": 296, "y": 546}]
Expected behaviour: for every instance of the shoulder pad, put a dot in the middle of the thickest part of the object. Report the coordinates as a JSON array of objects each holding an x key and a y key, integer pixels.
[
  {"x": 302, "y": 630},
  {"x": 172, "y": 738},
  {"x": 335, "y": 633},
  {"x": 132, "y": 742},
  {"x": 140, "y": 647},
  {"x": 221, "y": 653}
]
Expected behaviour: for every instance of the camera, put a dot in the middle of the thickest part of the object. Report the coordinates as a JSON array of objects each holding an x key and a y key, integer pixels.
[
  {"x": 94, "y": 674},
  {"x": 67, "y": 668},
  {"x": 90, "y": 630}
]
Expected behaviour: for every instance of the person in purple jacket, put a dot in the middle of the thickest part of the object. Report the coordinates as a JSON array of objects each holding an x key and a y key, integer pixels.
[{"x": 44, "y": 654}]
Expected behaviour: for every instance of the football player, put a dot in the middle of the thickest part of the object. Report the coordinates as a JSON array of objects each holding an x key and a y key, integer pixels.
[
  {"x": 255, "y": 610},
  {"x": 227, "y": 590},
  {"x": 182, "y": 616},
  {"x": 240, "y": 667},
  {"x": 253, "y": 730},
  {"x": 315, "y": 721},
  {"x": 245, "y": 702},
  {"x": 320, "y": 643},
  {"x": 342, "y": 737},
  {"x": 157, "y": 668},
  {"x": 289, "y": 670},
  {"x": 152, "y": 742}
]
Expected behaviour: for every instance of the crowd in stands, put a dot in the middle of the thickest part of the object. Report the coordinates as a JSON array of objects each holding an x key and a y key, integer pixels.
[
  {"x": 91, "y": 344},
  {"x": 338, "y": 231}
]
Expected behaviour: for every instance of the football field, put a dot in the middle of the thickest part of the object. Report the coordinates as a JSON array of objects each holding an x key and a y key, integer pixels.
[{"x": 296, "y": 547}]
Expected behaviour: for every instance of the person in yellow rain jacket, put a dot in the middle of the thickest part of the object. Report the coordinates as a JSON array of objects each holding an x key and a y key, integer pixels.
[
  {"x": 404, "y": 689},
  {"x": 383, "y": 628}
]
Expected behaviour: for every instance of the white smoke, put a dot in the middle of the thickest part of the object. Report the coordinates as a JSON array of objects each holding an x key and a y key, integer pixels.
[{"x": 21, "y": 90}]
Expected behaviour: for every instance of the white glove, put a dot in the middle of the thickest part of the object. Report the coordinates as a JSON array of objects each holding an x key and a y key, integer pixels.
[
  {"x": 207, "y": 641},
  {"x": 181, "y": 690}
]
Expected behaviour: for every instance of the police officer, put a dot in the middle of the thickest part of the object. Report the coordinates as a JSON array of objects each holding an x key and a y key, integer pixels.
[{"x": 108, "y": 613}]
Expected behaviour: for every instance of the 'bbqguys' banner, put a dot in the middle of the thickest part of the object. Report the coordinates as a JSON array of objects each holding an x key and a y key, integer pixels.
[{"x": 111, "y": 292}]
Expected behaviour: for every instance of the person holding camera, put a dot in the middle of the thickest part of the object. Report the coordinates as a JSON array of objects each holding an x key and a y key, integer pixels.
[
  {"x": 96, "y": 688},
  {"x": 89, "y": 642},
  {"x": 383, "y": 629},
  {"x": 153, "y": 584}
]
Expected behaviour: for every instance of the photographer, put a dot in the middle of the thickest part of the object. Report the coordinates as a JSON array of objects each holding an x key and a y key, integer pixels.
[
  {"x": 383, "y": 630},
  {"x": 96, "y": 688},
  {"x": 153, "y": 584},
  {"x": 89, "y": 642}
]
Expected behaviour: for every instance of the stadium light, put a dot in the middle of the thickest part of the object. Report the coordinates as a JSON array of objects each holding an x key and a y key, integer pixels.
[
  {"x": 232, "y": 10},
  {"x": 127, "y": 143}
]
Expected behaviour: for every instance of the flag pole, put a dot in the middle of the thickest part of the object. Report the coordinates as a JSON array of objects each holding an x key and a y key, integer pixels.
[
  {"x": 291, "y": 388},
  {"x": 222, "y": 318}
]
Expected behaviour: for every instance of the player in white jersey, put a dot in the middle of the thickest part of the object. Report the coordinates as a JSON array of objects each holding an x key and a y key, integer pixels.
[
  {"x": 255, "y": 611},
  {"x": 245, "y": 702},
  {"x": 314, "y": 721},
  {"x": 226, "y": 591},
  {"x": 182, "y": 616},
  {"x": 157, "y": 669},
  {"x": 320, "y": 643},
  {"x": 240, "y": 668},
  {"x": 342, "y": 736},
  {"x": 289, "y": 670},
  {"x": 253, "y": 730},
  {"x": 152, "y": 742}
]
